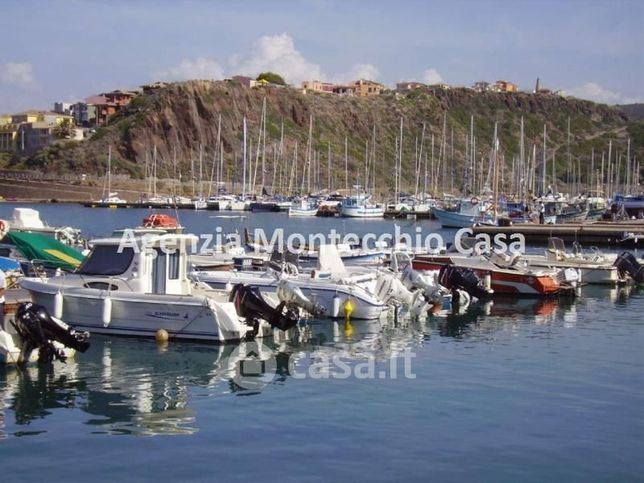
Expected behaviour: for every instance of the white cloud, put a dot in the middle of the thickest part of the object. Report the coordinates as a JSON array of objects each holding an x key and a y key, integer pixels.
[
  {"x": 200, "y": 68},
  {"x": 277, "y": 53},
  {"x": 359, "y": 71},
  {"x": 431, "y": 76},
  {"x": 594, "y": 92},
  {"x": 17, "y": 73}
]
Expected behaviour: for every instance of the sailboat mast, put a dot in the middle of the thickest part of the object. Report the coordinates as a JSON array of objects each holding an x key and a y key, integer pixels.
[
  {"x": 328, "y": 158},
  {"x": 346, "y": 167},
  {"x": 543, "y": 170},
  {"x": 109, "y": 171},
  {"x": 244, "y": 160},
  {"x": 155, "y": 170},
  {"x": 400, "y": 153},
  {"x": 200, "y": 171}
]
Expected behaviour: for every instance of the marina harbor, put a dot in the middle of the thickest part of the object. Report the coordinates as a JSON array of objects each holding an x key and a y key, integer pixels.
[{"x": 321, "y": 241}]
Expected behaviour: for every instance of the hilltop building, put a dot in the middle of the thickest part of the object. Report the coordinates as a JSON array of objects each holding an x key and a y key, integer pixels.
[
  {"x": 120, "y": 98},
  {"x": 344, "y": 90},
  {"x": 481, "y": 86},
  {"x": 367, "y": 88},
  {"x": 318, "y": 86},
  {"x": 63, "y": 108},
  {"x": 409, "y": 86},
  {"x": 30, "y": 131},
  {"x": 505, "y": 86},
  {"x": 9, "y": 137},
  {"x": 103, "y": 109}
]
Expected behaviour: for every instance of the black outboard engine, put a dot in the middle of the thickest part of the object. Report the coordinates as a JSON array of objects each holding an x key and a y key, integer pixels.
[
  {"x": 250, "y": 304},
  {"x": 38, "y": 330},
  {"x": 627, "y": 263},
  {"x": 462, "y": 278}
]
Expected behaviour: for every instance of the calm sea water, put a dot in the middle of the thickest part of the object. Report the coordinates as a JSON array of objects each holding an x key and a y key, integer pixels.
[{"x": 527, "y": 390}]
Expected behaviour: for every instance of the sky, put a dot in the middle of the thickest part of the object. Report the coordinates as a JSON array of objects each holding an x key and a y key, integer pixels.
[{"x": 67, "y": 50}]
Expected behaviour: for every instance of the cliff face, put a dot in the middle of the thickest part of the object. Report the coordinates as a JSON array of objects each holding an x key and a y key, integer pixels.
[{"x": 182, "y": 119}]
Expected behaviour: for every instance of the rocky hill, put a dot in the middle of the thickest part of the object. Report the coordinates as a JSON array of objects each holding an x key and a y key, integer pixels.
[
  {"x": 182, "y": 119},
  {"x": 633, "y": 111}
]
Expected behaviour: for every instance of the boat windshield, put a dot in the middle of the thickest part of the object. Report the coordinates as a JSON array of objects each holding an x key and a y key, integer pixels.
[{"x": 106, "y": 260}]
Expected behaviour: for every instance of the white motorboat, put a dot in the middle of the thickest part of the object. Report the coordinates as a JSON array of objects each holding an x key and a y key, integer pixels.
[
  {"x": 239, "y": 205},
  {"x": 303, "y": 208},
  {"x": 596, "y": 268},
  {"x": 28, "y": 220},
  {"x": 358, "y": 206},
  {"x": 350, "y": 255},
  {"x": 199, "y": 203},
  {"x": 140, "y": 287},
  {"x": 330, "y": 286}
]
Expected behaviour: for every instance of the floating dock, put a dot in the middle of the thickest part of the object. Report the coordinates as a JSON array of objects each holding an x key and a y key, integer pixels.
[{"x": 627, "y": 233}]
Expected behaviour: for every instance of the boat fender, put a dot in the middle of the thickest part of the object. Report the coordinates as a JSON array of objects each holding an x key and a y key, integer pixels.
[
  {"x": 336, "y": 305},
  {"x": 106, "y": 315},
  {"x": 487, "y": 281},
  {"x": 4, "y": 228},
  {"x": 58, "y": 305}
]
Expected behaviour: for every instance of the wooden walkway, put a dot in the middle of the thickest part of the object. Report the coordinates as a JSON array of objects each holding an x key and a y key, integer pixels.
[{"x": 598, "y": 233}]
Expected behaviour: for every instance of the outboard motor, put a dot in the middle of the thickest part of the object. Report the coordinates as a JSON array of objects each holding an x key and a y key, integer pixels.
[
  {"x": 391, "y": 290},
  {"x": 627, "y": 263},
  {"x": 412, "y": 279},
  {"x": 287, "y": 262},
  {"x": 293, "y": 296},
  {"x": 462, "y": 278},
  {"x": 38, "y": 330},
  {"x": 250, "y": 304}
]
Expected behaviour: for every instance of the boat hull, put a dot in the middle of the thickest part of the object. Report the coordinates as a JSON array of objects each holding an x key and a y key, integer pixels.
[
  {"x": 302, "y": 212},
  {"x": 449, "y": 219},
  {"x": 132, "y": 314},
  {"x": 364, "y": 306},
  {"x": 362, "y": 212},
  {"x": 503, "y": 282}
]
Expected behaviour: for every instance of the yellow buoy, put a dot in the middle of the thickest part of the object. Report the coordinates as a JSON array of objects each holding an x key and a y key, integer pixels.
[
  {"x": 348, "y": 309},
  {"x": 162, "y": 336}
]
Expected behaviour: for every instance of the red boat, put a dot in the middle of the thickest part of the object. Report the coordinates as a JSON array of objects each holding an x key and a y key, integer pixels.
[{"x": 502, "y": 273}]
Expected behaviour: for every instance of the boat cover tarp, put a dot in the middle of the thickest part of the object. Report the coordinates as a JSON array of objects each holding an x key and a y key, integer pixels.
[{"x": 41, "y": 248}]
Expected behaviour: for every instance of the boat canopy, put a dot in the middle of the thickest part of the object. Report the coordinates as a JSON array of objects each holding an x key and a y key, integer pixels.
[{"x": 37, "y": 247}]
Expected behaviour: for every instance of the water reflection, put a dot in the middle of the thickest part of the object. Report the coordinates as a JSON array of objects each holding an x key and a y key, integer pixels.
[
  {"x": 507, "y": 313},
  {"x": 132, "y": 386}
]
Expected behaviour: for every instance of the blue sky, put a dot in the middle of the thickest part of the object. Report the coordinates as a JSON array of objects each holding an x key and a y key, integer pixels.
[{"x": 70, "y": 49}]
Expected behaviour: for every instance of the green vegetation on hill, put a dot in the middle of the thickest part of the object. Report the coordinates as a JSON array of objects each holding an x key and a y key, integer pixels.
[{"x": 271, "y": 77}]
